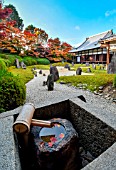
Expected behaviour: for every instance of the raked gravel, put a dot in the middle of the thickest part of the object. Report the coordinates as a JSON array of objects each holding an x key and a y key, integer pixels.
[{"x": 40, "y": 96}]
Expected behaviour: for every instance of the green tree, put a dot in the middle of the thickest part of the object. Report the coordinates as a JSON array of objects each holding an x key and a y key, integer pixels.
[
  {"x": 30, "y": 28},
  {"x": 15, "y": 16}
]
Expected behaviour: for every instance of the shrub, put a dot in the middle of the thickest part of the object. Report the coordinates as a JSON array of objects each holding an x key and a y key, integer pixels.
[
  {"x": 7, "y": 62},
  {"x": 114, "y": 81},
  {"x": 12, "y": 91},
  {"x": 43, "y": 61},
  {"x": 29, "y": 61},
  {"x": 10, "y": 59},
  {"x": 2, "y": 55},
  {"x": 2, "y": 65}
]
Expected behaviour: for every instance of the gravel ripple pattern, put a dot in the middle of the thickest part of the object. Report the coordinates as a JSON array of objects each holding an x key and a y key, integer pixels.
[{"x": 40, "y": 96}]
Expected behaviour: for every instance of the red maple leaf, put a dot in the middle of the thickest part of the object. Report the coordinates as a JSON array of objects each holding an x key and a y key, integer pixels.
[
  {"x": 53, "y": 139},
  {"x": 61, "y": 135},
  {"x": 50, "y": 144}
]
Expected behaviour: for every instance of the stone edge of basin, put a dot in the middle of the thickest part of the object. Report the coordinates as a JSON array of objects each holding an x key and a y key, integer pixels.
[{"x": 106, "y": 160}]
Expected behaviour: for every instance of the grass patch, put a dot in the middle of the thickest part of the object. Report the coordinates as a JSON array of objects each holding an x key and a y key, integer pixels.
[
  {"x": 42, "y": 67},
  {"x": 114, "y": 81},
  {"x": 89, "y": 82},
  {"x": 61, "y": 64},
  {"x": 24, "y": 74},
  {"x": 83, "y": 67}
]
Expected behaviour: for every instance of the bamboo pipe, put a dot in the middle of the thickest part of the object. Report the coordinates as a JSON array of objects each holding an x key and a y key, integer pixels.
[
  {"x": 24, "y": 120},
  {"x": 41, "y": 123}
]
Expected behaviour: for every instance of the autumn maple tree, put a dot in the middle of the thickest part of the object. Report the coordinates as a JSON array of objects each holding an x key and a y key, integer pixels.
[
  {"x": 41, "y": 35},
  {"x": 58, "y": 50},
  {"x": 6, "y": 27},
  {"x": 32, "y": 40},
  {"x": 12, "y": 38},
  {"x": 4, "y": 13}
]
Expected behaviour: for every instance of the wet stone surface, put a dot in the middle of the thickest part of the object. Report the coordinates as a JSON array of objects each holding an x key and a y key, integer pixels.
[{"x": 57, "y": 148}]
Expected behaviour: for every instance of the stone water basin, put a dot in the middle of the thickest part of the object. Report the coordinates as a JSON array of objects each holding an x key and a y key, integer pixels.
[{"x": 56, "y": 147}]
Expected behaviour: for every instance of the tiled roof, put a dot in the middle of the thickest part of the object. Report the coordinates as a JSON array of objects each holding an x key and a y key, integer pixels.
[
  {"x": 73, "y": 50},
  {"x": 108, "y": 39},
  {"x": 92, "y": 42}
]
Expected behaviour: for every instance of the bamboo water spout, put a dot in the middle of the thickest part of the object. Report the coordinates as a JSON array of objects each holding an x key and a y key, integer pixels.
[{"x": 24, "y": 120}]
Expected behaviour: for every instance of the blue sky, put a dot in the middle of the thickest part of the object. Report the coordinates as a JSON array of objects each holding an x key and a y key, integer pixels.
[{"x": 69, "y": 20}]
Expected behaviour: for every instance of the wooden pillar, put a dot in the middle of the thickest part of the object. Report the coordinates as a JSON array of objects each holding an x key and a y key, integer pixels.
[
  {"x": 108, "y": 54},
  {"x": 95, "y": 58}
]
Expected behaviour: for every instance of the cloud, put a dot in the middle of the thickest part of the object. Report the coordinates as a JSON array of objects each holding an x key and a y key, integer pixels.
[
  {"x": 77, "y": 27},
  {"x": 108, "y": 13}
]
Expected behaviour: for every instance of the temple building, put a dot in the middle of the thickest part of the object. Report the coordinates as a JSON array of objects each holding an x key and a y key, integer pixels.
[{"x": 92, "y": 49}]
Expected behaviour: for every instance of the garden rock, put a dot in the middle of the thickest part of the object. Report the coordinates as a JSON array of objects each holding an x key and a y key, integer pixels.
[
  {"x": 114, "y": 100},
  {"x": 40, "y": 72},
  {"x": 66, "y": 66},
  {"x": 96, "y": 93},
  {"x": 17, "y": 63},
  {"x": 112, "y": 65},
  {"x": 34, "y": 68},
  {"x": 72, "y": 63},
  {"x": 54, "y": 72},
  {"x": 44, "y": 83},
  {"x": 62, "y": 82},
  {"x": 23, "y": 65},
  {"x": 87, "y": 64},
  {"x": 94, "y": 66},
  {"x": 79, "y": 71},
  {"x": 89, "y": 70},
  {"x": 50, "y": 82}
]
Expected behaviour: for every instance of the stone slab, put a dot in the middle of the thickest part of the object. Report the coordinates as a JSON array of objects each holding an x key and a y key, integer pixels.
[{"x": 9, "y": 159}]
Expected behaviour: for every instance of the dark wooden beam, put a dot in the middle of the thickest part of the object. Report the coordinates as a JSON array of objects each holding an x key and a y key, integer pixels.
[{"x": 108, "y": 54}]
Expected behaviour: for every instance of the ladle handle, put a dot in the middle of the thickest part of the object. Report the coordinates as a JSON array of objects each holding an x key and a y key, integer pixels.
[{"x": 41, "y": 123}]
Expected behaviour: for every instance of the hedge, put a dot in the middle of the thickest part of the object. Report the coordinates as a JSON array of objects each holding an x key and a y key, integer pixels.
[
  {"x": 12, "y": 91},
  {"x": 43, "y": 61},
  {"x": 2, "y": 65},
  {"x": 29, "y": 61}
]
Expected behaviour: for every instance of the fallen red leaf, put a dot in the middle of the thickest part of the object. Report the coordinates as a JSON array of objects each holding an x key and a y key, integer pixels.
[
  {"x": 61, "y": 135},
  {"x": 50, "y": 144},
  {"x": 53, "y": 139}
]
